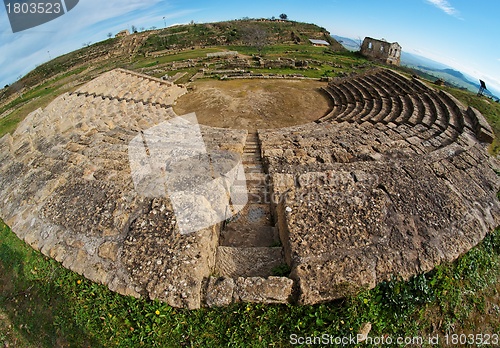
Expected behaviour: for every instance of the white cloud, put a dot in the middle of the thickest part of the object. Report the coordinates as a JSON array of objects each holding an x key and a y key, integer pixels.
[
  {"x": 90, "y": 20},
  {"x": 445, "y": 6}
]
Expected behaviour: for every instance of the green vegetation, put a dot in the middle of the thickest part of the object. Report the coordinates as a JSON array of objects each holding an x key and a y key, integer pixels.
[
  {"x": 234, "y": 33},
  {"x": 33, "y": 99},
  {"x": 281, "y": 270},
  {"x": 489, "y": 108},
  {"x": 44, "y": 305},
  {"x": 141, "y": 62}
]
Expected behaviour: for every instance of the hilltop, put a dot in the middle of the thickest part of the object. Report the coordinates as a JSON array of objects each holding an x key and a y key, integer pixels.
[{"x": 119, "y": 51}]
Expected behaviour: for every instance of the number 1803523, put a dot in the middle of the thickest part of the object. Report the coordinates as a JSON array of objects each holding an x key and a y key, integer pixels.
[
  {"x": 34, "y": 8},
  {"x": 472, "y": 339}
]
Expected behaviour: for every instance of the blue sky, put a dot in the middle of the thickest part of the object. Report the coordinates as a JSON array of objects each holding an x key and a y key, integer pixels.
[{"x": 459, "y": 33}]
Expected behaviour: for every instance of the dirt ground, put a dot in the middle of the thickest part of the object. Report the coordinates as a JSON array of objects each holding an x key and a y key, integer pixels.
[{"x": 254, "y": 103}]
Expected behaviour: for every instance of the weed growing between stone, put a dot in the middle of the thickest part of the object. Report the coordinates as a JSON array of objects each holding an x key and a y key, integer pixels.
[{"x": 44, "y": 305}]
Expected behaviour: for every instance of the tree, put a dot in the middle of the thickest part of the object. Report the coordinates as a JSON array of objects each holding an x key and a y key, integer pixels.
[
  {"x": 283, "y": 16},
  {"x": 86, "y": 44},
  {"x": 110, "y": 35},
  {"x": 134, "y": 29},
  {"x": 142, "y": 28},
  {"x": 256, "y": 37}
]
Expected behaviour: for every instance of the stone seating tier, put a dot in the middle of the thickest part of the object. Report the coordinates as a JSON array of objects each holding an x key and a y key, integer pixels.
[
  {"x": 393, "y": 181},
  {"x": 390, "y": 184}
]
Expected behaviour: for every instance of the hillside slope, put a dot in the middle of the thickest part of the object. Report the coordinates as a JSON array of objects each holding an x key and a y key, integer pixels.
[{"x": 122, "y": 49}]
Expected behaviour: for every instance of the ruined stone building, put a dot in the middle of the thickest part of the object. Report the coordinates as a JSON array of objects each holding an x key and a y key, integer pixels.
[{"x": 389, "y": 53}]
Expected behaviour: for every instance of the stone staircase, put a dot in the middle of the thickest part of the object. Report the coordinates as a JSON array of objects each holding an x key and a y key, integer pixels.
[{"x": 249, "y": 243}]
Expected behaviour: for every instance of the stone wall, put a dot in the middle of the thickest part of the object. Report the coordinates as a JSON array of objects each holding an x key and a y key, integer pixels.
[{"x": 389, "y": 53}]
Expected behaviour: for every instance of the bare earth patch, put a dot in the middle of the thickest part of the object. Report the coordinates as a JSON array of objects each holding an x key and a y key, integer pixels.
[{"x": 254, "y": 104}]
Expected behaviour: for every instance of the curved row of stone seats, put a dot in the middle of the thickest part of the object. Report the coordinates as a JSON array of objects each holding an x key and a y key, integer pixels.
[
  {"x": 337, "y": 108},
  {"x": 401, "y": 126},
  {"x": 355, "y": 93},
  {"x": 366, "y": 142},
  {"x": 367, "y": 89},
  {"x": 362, "y": 110},
  {"x": 431, "y": 112},
  {"x": 67, "y": 190},
  {"x": 322, "y": 147},
  {"x": 360, "y": 198},
  {"x": 396, "y": 79},
  {"x": 385, "y": 111},
  {"x": 369, "y": 108},
  {"x": 73, "y": 114},
  {"x": 480, "y": 126},
  {"x": 458, "y": 118},
  {"x": 375, "y": 86},
  {"x": 127, "y": 85},
  {"x": 344, "y": 96},
  {"x": 422, "y": 107},
  {"x": 357, "y": 224},
  {"x": 396, "y": 107}
]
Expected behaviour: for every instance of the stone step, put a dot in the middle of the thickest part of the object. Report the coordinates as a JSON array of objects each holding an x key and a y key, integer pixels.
[
  {"x": 259, "y": 198},
  {"x": 256, "y": 176},
  {"x": 247, "y": 262},
  {"x": 256, "y": 187},
  {"x": 251, "y": 149},
  {"x": 253, "y": 167},
  {"x": 249, "y": 236},
  {"x": 247, "y": 156},
  {"x": 250, "y": 162}
]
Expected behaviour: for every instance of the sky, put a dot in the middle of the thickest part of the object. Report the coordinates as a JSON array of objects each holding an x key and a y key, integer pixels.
[{"x": 460, "y": 33}]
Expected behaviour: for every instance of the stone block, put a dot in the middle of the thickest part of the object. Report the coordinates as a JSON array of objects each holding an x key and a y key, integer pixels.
[
  {"x": 219, "y": 292},
  {"x": 483, "y": 130},
  {"x": 261, "y": 290},
  {"x": 109, "y": 250}
]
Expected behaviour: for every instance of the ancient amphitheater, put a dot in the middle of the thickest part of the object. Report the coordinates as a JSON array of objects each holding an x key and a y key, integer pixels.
[{"x": 394, "y": 180}]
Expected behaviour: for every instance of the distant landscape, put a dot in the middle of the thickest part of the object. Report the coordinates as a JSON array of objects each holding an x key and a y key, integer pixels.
[{"x": 429, "y": 68}]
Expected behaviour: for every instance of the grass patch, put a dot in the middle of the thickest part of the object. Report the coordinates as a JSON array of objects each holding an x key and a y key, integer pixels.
[
  {"x": 47, "y": 305},
  {"x": 141, "y": 62},
  {"x": 33, "y": 99},
  {"x": 489, "y": 109}
]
